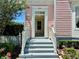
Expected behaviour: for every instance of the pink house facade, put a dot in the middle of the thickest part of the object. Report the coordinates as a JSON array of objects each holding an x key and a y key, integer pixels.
[
  {"x": 45, "y": 21},
  {"x": 61, "y": 14}
]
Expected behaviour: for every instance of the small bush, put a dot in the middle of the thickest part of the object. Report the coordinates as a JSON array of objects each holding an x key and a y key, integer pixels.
[
  {"x": 69, "y": 44},
  {"x": 65, "y": 57},
  {"x": 7, "y": 46},
  {"x": 70, "y": 53}
]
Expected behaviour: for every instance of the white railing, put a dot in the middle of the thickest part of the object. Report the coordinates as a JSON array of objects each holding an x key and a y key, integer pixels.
[
  {"x": 52, "y": 37},
  {"x": 25, "y": 37}
]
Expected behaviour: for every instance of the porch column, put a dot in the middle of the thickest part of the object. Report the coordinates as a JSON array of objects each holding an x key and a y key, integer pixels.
[
  {"x": 46, "y": 23},
  {"x": 54, "y": 38},
  {"x": 33, "y": 24}
]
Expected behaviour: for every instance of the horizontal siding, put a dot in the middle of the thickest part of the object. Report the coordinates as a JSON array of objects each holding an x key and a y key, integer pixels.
[
  {"x": 50, "y": 12},
  {"x": 63, "y": 18},
  {"x": 50, "y": 15}
]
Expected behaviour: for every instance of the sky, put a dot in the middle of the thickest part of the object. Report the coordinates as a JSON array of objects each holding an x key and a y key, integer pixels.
[{"x": 21, "y": 18}]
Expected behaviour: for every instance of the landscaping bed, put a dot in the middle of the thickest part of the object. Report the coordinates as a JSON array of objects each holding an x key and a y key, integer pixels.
[
  {"x": 68, "y": 49},
  {"x": 68, "y": 44},
  {"x": 9, "y": 51}
]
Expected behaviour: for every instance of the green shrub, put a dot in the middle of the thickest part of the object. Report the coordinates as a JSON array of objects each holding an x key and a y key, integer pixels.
[
  {"x": 70, "y": 53},
  {"x": 69, "y": 44},
  {"x": 65, "y": 57},
  {"x": 7, "y": 46}
]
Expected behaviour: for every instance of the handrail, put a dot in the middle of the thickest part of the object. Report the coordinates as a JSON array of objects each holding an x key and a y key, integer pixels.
[
  {"x": 25, "y": 37},
  {"x": 52, "y": 37}
]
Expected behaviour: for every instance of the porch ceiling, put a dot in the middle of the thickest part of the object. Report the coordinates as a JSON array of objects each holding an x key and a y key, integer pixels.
[{"x": 75, "y": 1}]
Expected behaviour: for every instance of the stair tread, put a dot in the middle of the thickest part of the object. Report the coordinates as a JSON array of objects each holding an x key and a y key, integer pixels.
[
  {"x": 38, "y": 58},
  {"x": 40, "y": 44},
  {"x": 40, "y": 40},
  {"x": 42, "y": 58},
  {"x": 33, "y": 47},
  {"x": 40, "y": 55},
  {"x": 41, "y": 49}
]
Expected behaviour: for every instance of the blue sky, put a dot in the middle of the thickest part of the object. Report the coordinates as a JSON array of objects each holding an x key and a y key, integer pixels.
[{"x": 21, "y": 18}]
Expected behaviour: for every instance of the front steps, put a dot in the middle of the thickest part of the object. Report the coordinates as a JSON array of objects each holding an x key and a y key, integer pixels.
[{"x": 41, "y": 48}]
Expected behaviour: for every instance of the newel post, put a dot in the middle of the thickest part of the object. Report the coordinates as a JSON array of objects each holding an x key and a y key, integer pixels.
[{"x": 54, "y": 39}]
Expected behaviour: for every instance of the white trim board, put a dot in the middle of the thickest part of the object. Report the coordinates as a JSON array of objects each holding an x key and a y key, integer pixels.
[{"x": 40, "y": 8}]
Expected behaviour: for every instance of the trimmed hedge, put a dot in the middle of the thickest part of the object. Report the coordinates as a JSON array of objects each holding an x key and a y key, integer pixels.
[{"x": 68, "y": 43}]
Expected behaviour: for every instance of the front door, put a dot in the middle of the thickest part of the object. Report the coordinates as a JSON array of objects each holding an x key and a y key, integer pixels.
[
  {"x": 39, "y": 21},
  {"x": 39, "y": 25}
]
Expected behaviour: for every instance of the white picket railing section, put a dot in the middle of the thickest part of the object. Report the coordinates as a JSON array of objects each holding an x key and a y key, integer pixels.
[
  {"x": 25, "y": 37},
  {"x": 52, "y": 37}
]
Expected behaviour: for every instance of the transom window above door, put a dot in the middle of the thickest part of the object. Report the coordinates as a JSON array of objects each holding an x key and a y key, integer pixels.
[{"x": 40, "y": 12}]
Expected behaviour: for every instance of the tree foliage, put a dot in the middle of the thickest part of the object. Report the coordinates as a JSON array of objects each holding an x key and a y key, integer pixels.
[
  {"x": 8, "y": 11},
  {"x": 13, "y": 30}
]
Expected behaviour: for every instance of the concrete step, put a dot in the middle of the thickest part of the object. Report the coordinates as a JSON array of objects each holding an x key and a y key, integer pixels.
[
  {"x": 42, "y": 58},
  {"x": 44, "y": 49},
  {"x": 39, "y": 56},
  {"x": 41, "y": 51},
  {"x": 39, "y": 47},
  {"x": 40, "y": 40}
]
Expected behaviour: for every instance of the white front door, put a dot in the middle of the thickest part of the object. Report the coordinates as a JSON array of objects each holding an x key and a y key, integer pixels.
[{"x": 39, "y": 21}]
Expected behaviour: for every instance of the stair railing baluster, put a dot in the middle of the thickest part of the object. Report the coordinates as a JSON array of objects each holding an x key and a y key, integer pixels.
[{"x": 52, "y": 37}]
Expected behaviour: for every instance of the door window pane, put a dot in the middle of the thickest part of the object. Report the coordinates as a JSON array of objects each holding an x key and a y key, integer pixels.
[{"x": 38, "y": 25}]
